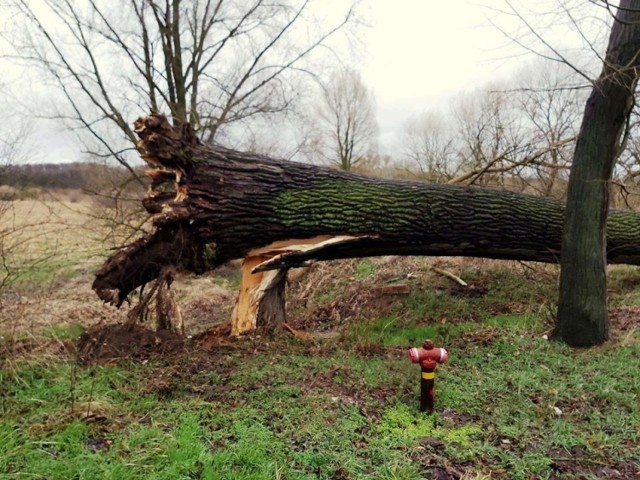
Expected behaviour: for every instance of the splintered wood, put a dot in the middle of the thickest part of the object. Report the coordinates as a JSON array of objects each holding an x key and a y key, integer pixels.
[
  {"x": 253, "y": 288},
  {"x": 261, "y": 279}
]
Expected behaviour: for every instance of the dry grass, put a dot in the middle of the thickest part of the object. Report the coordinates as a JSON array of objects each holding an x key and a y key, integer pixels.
[
  {"x": 50, "y": 249},
  {"x": 70, "y": 303},
  {"x": 54, "y": 245},
  {"x": 38, "y": 227}
]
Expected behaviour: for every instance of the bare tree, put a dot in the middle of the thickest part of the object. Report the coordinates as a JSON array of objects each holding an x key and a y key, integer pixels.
[
  {"x": 548, "y": 98},
  {"x": 429, "y": 142},
  {"x": 210, "y": 63},
  {"x": 492, "y": 141},
  {"x": 501, "y": 136},
  {"x": 517, "y": 134},
  {"x": 14, "y": 138},
  {"x": 348, "y": 129}
]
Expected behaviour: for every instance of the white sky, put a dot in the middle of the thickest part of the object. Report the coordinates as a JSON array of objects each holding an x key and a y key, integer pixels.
[
  {"x": 422, "y": 52},
  {"x": 418, "y": 55}
]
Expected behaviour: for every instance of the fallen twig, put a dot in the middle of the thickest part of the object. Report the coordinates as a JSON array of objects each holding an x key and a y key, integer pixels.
[
  {"x": 296, "y": 333},
  {"x": 451, "y": 276}
]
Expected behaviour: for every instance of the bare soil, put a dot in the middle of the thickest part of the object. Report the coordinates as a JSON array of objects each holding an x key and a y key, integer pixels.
[
  {"x": 624, "y": 319},
  {"x": 122, "y": 341}
]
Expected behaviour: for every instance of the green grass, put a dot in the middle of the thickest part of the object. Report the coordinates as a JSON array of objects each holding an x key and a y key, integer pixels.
[
  {"x": 364, "y": 268},
  {"x": 283, "y": 413},
  {"x": 69, "y": 331},
  {"x": 624, "y": 281},
  {"x": 510, "y": 404}
]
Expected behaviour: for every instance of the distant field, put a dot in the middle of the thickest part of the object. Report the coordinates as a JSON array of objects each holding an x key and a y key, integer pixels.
[
  {"x": 51, "y": 247},
  {"x": 66, "y": 229},
  {"x": 71, "y": 227},
  {"x": 47, "y": 227}
]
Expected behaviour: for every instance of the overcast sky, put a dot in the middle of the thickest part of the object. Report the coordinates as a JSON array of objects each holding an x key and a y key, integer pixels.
[
  {"x": 417, "y": 55},
  {"x": 420, "y": 53}
]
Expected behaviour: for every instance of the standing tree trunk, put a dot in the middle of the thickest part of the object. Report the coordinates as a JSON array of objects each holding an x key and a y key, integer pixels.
[{"x": 582, "y": 308}]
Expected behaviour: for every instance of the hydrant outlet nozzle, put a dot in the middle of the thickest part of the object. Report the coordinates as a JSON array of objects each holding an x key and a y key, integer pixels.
[{"x": 440, "y": 355}]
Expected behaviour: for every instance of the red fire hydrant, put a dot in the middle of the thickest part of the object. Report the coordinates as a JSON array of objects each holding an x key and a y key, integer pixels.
[{"x": 428, "y": 356}]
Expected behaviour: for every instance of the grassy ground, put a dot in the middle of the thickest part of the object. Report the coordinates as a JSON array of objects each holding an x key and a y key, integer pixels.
[{"x": 510, "y": 403}]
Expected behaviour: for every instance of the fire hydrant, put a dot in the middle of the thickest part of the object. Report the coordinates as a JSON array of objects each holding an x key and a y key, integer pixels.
[{"x": 428, "y": 356}]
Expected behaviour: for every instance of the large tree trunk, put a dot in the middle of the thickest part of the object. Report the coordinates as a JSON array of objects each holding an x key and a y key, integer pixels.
[
  {"x": 211, "y": 205},
  {"x": 582, "y": 307}
]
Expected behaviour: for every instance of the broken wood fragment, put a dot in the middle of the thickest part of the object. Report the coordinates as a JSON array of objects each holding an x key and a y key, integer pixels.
[
  {"x": 297, "y": 333},
  {"x": 400, "y": 289},
  {"x": 296, "y": 253}
]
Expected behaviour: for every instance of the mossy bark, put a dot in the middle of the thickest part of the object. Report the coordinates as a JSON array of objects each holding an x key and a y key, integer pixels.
[{"x": 211, "y": 205}]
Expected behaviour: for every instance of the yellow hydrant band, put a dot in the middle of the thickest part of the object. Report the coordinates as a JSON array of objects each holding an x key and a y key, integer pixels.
[{"x": 428, "y": 375}]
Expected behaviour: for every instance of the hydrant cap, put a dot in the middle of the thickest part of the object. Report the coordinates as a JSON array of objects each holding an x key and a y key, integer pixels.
[{"x": 444, "y": 355}]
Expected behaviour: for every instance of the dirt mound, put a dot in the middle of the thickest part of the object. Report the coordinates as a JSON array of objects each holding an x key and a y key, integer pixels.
[
  {"x": 467, "y": 291},
  {"x": 120, "y": 341}
]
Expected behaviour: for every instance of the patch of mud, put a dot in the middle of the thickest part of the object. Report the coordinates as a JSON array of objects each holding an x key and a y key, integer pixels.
[
  {"x": 444, "y": 473},
  {"x": 625, "y": 319},
  {"x": 431, "y": 455},
  {"x": 121, "y": 341},
  {"x": 576, "y": 463},
  {"x": 214, "y": 337},
  {"x": 469, "y": 291}
]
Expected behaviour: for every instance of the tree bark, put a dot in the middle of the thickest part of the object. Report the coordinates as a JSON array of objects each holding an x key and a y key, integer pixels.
[
  {"x": 211, "y": 205},
  {"x": 582, "y": 307}
]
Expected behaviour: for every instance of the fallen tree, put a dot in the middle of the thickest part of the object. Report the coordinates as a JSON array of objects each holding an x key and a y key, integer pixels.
[{"x": 211, "y": 205}]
